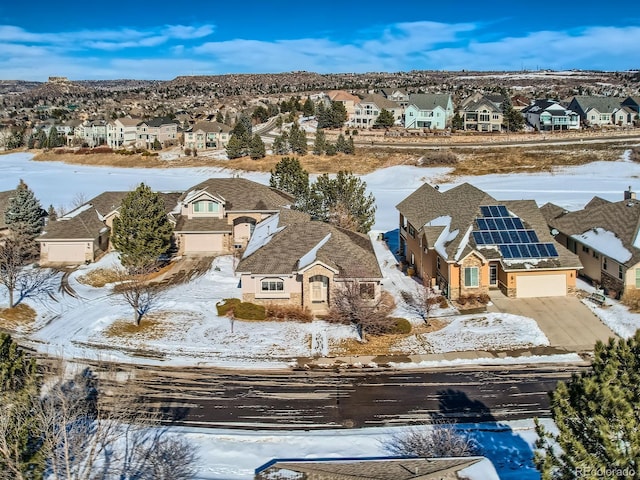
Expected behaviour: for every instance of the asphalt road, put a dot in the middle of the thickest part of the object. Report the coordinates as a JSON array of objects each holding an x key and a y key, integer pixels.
[{"x": 331, "y": 399}]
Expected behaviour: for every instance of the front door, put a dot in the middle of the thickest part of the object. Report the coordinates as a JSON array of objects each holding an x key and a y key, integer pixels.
[
  {"x": 319, "y": 292},
  {"x": 493, "y": 275}
]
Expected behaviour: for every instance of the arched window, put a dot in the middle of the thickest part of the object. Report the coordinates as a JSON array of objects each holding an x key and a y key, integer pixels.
[{"x": 319, "y": 287}]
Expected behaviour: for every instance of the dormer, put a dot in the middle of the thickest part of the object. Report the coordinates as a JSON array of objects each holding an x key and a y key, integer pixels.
[{"x": 202, "y": 204}]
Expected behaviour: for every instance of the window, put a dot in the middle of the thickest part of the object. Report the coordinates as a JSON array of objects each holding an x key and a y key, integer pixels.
[
  {"x": 620, "y": 272},
  {"x": 604, "y": 263},
  {"x": 438, "y": 263},
  {"x": 272, "y": 285},
  {"x": 471, "y": 277},
  {"x": 412, "y": 231},
  {"x": 585, "y": 249},
  {"x": 595, "y": 255},
  {"x": 206, "y": 206},
  {"x": 368, "y": 290}
]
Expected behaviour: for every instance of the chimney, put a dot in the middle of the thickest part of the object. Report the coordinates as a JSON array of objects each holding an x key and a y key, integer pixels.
[{"x": 629, "y": 194}]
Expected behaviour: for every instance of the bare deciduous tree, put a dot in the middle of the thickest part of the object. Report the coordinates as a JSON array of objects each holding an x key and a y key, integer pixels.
[
  {"x": 423, "y": 301},
  {"x": 136, "y": 287},
  {"x": 433, "y": 440}
]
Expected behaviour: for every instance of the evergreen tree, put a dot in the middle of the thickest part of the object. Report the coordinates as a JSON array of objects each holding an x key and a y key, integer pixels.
[
  {"x": 385, "y": 119},
  {"x": 52, "y": 215},
  {"x": 597, "y": 417},
  {"x": 281, "y": 144},
  {"x": 319, "y": 143},
  {"x": 351, "y": 147},
  {"x": 53, "y": 140},
  {"x": 341, "y": 144},
  {"x": 290, "y": 177},
  {"x": 227, "y": 118},
  {"x": 142, "y": 232},
  {"x": 219, "y": 117},
  {"x": 156, "y": 144},
  {"x": 345, "y": 193},
  {"x": 24, "y": 215},
  {"x": 16, "y": 139},
  {"x": 298, "y": 140},
  {"x": 457, "y": 122},
  {"x": 308, "y": 109},
  {"x": 322, "y": 116},
  {"x": 21, "y": 448},
  {"x": 42, "y": 139},
  {"x": 235, "y": 147},
  {"x": 331, "y": 149},
  {"x": 246, "y": 122},
  {"x": 257, "y": 149},
  {"x": 260, "y": 114},
  {"x": 338, "y": 114}
]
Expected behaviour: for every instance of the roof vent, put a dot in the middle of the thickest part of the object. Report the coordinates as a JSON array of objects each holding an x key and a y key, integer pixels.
[{"x": 629, "y": 194}]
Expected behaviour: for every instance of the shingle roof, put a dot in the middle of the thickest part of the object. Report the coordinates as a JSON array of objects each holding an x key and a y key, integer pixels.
[
  {"x": 213, "y": 127},
  {"x": 202, "y": 225},
  {"x": 484, "y": 101},
  {"x": 244, "y": 195},
  {"x": 462, "y": 205},
  {"x": 348, "y": 252},
  {"x": 601, "y": 104},
  {"x": 429, "y": 101},
  {"x": 380, "y": 101},
  {"x": 621, "y": 218},
  {"x": 158, "y": 122}
]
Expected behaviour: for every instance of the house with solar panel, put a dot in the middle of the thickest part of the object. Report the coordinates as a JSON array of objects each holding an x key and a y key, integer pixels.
[
  {"x": 465, "y": 242},
  {"x": 606, "y": 237}
]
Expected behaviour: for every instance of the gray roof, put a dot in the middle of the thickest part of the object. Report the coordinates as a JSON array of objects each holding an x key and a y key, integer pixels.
[
  {"x": 462, "y": 204},
  {"x": 484, "y": 101},
  {"x": 202, "y": 225},
  {"x": 429, "y": 101},
  {"x": 213, "y": 127},
  {"x": 348, "y": 252},
  {"x": 621, "y": 218},
  {"x": 380, "y": 101},
  {"x": 601, "y": 104},
  {"x": 158, "y": 122},
  {"x": 243, "y": 195}
]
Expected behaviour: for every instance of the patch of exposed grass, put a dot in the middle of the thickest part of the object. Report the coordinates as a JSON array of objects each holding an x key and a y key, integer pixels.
[
  {"x": 152, "y": 326},
  {"x": 99, "y": 277},
  {"x": 20, "y": 315}
]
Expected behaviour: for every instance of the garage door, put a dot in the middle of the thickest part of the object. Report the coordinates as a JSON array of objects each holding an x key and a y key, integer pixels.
[
  {"x": 203, "y": 243},
  {"x": 66, "y": 252},
  {"x": 528, "y": 286}
]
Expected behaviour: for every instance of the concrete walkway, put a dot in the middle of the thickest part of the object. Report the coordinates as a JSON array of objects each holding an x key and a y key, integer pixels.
[{"x": 566, "y": 321}]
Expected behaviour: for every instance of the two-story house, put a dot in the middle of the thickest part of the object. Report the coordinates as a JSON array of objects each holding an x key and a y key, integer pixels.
[
  {"x": 165, "y": 130},
  {"x": 479, "y": 113},
  {"x": 428, "y": 110},
  {"x": 122, "y": 131},
  {"x": 207, "y": 136},
  {"x": 549, "y": 115},
  {"x": 366, "y": 111},
  {"x": 606, "y": 237},
  {"x": 397, "y": 95},
  {"x": 91, "y": 133},
  {"x": 466, "y": 242}
]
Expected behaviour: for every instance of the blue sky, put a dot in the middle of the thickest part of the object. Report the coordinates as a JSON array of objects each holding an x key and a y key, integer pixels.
[{"x": 161, "y": 40}]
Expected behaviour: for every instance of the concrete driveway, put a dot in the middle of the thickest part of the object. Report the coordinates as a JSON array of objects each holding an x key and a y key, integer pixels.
[{"x": 565, "y": 321}]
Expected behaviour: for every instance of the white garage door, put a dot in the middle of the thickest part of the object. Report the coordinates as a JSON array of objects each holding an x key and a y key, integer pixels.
[
  {"x": 203, "y": 243},
  {"x": 528, "y": 286},
  {"x": 67, "y": 252}
]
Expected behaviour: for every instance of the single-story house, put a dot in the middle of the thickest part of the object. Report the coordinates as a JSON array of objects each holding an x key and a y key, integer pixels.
[
  {"x": 83, "y": 234},
  {"x": 595, "y": 111},
  {"x": 294, "y": 260},
  {"x": 606, "y": 237},
  {"x": 466, "y": 242},
  {"x": 219, "y": 215}
]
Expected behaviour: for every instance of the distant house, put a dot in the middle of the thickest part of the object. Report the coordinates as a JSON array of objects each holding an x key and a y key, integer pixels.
[
  {"x": 397, "y": 95},
  {"x": 623, "y": 116},
  {"x": 345, "y": 98},
  {"x": 428, "y": 110},
  {"x": 165, "y": 130},
  {"x": 482, "y": 114},
  {"x": 595, "y": 111},
  {"x": 467, "y": 242},
  {"x": 376, "y": 468},
  {"x": 220, "y": 214},
  {"x": 606, "y": 237},
  {"x": 633, "y": 103},
  {"x": 366, "y": 111},
  {"x": 549, "y": 115},
  {"x": 519, "y": 102},
  {"x": 294, "y": 260},
  {"x": 122, "y": 131},
  {"x": 91, "y": 133},
  {"x": 207, "y": 136}
]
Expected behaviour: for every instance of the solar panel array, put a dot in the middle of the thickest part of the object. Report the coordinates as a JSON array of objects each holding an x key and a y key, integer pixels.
[{"x": 497, "y": 227}]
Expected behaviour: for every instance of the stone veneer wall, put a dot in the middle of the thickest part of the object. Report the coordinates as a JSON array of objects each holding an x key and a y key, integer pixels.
[
  {"x": 470, "y": 261},
  {"x": 294, "y": 299},
  {"x": 612, "y": 284}
]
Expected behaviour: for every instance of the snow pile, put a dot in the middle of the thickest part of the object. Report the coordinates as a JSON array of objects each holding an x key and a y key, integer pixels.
[
  {"x": 490, "y": 331},
  {"x": 605, "y": 242}
]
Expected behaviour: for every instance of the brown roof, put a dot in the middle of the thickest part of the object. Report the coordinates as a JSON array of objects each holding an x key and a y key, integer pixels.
[
  {"x": 462, "y": 204},
  {"x": 380, "y": 101},
  {"x": 348, "y": 252},
  {"x": 373, "y": 469},
  {"x": 342, "y": 96},
  {"x": 242, "y": 195},
  {"x": 213, "y": 127},
  {"x": 621, "y": 218},
  {"x": 202, "y": 225}
]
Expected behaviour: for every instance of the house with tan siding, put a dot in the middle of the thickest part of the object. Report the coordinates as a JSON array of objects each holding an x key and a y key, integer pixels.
[
  {"x": 606, "y": 237},
  {"x": 465, "y": 242},
  {"x": 294, "y": 260},
  {"x": 207, "y": 136}
]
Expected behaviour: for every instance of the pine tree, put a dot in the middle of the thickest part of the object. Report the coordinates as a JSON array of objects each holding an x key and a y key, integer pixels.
[
  {"x": 320, "y": 142},
  {"x": 257, "y": 149},
  {"x": 21, "y": 448},
  {"x": 235, "y": 147},
  {"x": 597, "y": 417},
  {"x": 142, "y": 232},
  {"x": 281, "y": 144},
  {"x": 308, "y": 109},
  {"x": 24, "y": 215},
  {"x": 53, "y": 140},
  {"x": 385, "y": 119},
  {"x": 331, "y": 149},
  {"x": 52, "y": 215},
  {"x": 42, "y": 139},
  {"x": 289, "y": 176},
  {"x": 351, "y": 147},
  {"x": 341, "y": 144},
  {"x": 219, "y": 117},
  {"x": 156, "y": 144},
  {"x": 298, "y": 140},
  {"x": 338, "y": 114},
  {"x": 457, "y": 122}
]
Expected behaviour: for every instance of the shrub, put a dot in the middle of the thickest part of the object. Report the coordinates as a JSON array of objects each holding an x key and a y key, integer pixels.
[
  {"x": 401, "y": 325},
  {"x": 249, "y": 311},
  {"x": 227, "y": 305},
  {"x": 288, "y": 312},
  {"x": 632, "y": 300},
  {"x": 438, "y": 157},
  {"x": 462, "y": 300},
  {"x": 187, "y": 151},
  {"x": 483, "y": 298},
  {"x": 442, "y": 301}
]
